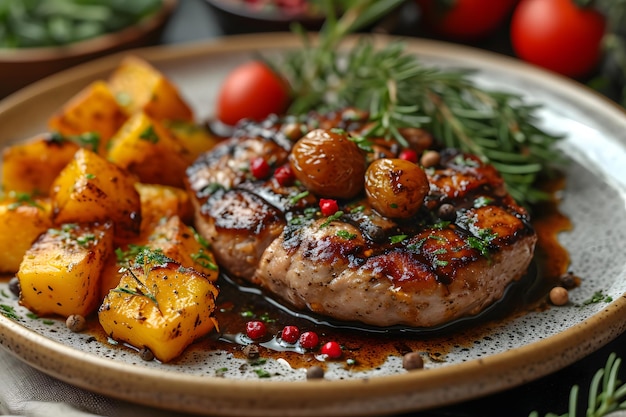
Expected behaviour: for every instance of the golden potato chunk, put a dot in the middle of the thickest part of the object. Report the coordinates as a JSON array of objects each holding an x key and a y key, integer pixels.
[
  {"x": 92, "y": 110},
  {"x": 159, "y": 305},
  {"x": 22, "y": 220},
  {"x": 92, "y": 189},
  {"x": 146, "y": 148},
  {"x": 139, "y": 87},
  {"x": 32, "y": 166},
  {"x": 180, "y": 242},
  {"x": 162, "y": 201},
  {"x": 172, "y": 238},
  {"x": 197, "y": 139},
  {"x": 60, "y": 273}
]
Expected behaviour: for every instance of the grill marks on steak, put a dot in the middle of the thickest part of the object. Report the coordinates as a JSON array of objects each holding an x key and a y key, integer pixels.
[{"x": 421, "y": 272}]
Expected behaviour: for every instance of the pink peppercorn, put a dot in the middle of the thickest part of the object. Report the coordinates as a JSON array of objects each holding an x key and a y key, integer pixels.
[
  {"x": 259, "y": 168},
  {"x": 255, "y": 329},
  {"x": 284, "y": 175},
  {"x": 328, "y": 206},
  {"x": 290, "y": 334},
  {"x": 309, "y": 340},
  {"x": 408, "y": 155},
  {"x": 332, "y": 350}
]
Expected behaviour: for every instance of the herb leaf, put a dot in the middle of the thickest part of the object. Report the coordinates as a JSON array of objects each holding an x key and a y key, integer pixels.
[{"x": 399, "y": 91}]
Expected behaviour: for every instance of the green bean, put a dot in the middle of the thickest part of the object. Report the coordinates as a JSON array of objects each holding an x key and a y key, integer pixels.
[{"x": 36, "y": 23}]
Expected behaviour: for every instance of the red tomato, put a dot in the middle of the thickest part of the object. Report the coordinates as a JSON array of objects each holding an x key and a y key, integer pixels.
[
  {"x": 558, "y": 35},
  {"x": 251, "y": 91},
  {"x": 465, "y": 19}
]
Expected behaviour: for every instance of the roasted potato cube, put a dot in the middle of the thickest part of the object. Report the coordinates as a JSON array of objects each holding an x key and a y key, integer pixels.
[
  {"x": 60, "y": 273},
  {"x": 139, "y": 87},
  {"x": 92, "y": 110},
  {"x": 31, "y": 166},
  {"x": 180, "y": 242},
  {"x": 162, "y": 201},
  {"x": 22, "y": 220},
  {"x": 196, "y": 138},
  {"x": 150, "y": 151},
  {"x": 92, "y": 189},
  {"x": 159, "y": 305},
  {"x": 172, "y": 238},
  {"x": 112, "y": 271}
]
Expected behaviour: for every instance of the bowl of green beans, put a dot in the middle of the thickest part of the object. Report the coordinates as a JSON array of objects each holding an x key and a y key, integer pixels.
[{"x": 38, "y": 38}]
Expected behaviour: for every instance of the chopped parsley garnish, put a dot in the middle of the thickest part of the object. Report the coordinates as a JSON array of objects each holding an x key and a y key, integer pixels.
[
  {"x": 89, "y": 140},
  {"x": 482, "y": 241},
  {"x": 262, "y": 373},
  {"x": 298, "y": 197},
  {"x": 131, "y": 253},
  {"x": 397, "y": 238},
  {"x": 69, "y": 232},
  {"x": 482, "y": 201},
  {"x": 212, "y": 188},
  {"x": 344, "y": 234},
  {"x": 357, "y": 209},
  {"x": 439, "y": 262},
  {"x": 362, "y": 142},
  {"x": 204, "y": 259},
  {"x": 23, "y": 199},
  {"x": 441, "y": 225},
  {"x": 9, "y": 312},
  {"x": 417, "y": 246},
  {"x": 331, "y": 219},
  {"x": 598, "y": 297},
  {"x": 149, "y": 134},
  {"x": 85, "y": 239}
]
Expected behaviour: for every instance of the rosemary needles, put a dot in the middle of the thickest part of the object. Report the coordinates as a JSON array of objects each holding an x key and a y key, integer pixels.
[
  {"x": 399, "y": 91},
  {"x": 607, "y": 393}
]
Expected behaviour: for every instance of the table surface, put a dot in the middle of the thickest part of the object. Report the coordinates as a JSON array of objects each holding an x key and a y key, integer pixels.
[{"x": 193, "y": 20}]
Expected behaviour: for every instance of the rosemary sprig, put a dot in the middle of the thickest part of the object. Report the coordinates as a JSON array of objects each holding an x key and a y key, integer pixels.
[
  {"x": 398, "y": 91},
  {"x": 607, "y": 393},
  {"x": 147, "y": 259}
]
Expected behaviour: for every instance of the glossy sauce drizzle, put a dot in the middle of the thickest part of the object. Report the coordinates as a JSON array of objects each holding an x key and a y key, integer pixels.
[{"x": 366, "y": 347}]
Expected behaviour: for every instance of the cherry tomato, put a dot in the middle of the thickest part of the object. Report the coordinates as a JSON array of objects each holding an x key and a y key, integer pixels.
[
  {"x": 558, "y": 35},
  {"x": 251, "y": 91},
  {"x": 465, "y": 19}
]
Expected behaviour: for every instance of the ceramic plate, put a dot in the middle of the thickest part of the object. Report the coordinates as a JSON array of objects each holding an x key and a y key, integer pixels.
[{"x": 507, "y": 352}]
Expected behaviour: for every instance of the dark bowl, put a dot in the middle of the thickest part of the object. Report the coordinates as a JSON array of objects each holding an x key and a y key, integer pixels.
[
  {"x": 238, "y": 16},
  {"x": 20, "y": 67}
]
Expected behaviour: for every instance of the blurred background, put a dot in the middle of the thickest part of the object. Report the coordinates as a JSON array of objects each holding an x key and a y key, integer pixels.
[{"x": 581, "y": 39}]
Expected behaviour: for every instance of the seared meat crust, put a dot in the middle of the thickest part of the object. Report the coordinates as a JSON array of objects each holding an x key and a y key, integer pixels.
[{"x": 358, "y": 265}]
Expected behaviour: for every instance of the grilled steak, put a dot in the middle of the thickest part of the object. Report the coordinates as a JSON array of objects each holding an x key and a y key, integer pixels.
[{"x": 452, "y": 255}]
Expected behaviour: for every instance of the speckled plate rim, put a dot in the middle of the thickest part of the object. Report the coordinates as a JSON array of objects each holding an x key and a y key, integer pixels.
[{"x": 372, "y": 396}]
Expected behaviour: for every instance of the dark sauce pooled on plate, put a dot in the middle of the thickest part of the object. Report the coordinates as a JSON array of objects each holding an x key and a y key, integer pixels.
[{"x": 366, "y": 347}]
